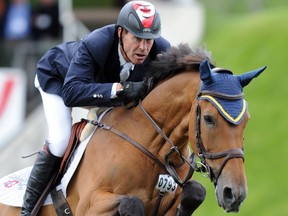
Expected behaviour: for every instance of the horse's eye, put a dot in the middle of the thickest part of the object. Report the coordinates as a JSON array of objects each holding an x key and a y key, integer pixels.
[{"x": 209, "y": 120}]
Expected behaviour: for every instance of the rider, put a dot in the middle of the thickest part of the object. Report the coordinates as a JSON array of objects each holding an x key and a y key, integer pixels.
[{"x": 87, "y": 73}]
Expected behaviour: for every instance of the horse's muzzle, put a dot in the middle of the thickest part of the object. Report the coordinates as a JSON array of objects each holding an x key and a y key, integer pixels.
[{"x": 230, "y": 198}]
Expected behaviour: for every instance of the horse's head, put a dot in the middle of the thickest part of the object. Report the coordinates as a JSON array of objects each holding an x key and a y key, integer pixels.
[
  {"x": 221, "y": 116},
  {"x": 216, "y": 131}
]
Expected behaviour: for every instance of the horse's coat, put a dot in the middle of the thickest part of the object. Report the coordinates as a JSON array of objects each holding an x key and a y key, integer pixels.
[{"x": 115, "y": 178}]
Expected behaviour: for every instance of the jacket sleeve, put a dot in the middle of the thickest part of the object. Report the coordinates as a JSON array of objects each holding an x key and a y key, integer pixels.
[{"x": 81, "y": 85}]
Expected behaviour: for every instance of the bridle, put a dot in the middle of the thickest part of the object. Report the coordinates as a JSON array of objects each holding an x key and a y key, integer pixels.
[{"x": 202, "y": 153}]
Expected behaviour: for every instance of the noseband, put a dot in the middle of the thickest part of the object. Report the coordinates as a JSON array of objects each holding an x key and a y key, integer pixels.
[{"x": 202, "y": 153}]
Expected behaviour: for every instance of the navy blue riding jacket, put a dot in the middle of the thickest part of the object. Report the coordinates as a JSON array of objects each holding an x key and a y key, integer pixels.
[{"x": 83, "y": 72}]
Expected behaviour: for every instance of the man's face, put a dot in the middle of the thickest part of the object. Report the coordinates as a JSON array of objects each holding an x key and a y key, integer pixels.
[{"x": 137, "y": 49}]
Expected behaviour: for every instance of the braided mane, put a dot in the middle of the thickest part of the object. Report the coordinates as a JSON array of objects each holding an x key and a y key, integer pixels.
[{"x": 176, "y": 60}]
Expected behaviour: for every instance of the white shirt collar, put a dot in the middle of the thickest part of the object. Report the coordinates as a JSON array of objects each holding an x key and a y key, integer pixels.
[{"x": 122, "y": 60}]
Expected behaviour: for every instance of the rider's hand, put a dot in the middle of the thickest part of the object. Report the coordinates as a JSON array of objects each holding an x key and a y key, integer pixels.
[{"x": 131, "y": 93}]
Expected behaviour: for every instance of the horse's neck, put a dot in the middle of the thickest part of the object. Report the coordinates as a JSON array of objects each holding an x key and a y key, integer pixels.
[{"x": 169, "y": 104}]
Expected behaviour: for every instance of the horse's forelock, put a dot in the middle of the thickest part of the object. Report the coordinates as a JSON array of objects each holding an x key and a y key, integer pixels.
[{"x": 176, "y": 60}]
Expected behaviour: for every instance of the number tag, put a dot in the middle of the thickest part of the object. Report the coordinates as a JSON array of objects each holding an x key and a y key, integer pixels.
[{"x": 166, "y": 183}]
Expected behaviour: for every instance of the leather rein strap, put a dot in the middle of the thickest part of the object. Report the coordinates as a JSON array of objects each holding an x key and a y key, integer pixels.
[
  {"x": 167, "y": 166},
  {"x": 130, "y": 140}
]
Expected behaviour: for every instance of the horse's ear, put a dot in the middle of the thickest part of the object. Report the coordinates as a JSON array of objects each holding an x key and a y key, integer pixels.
[
  {"x": 248, "y": 76},
  {"x": 205, "y": 71}
]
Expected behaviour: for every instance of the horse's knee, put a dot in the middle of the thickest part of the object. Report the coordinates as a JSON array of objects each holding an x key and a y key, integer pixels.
[
  {"x": 131, "y": 206},
  {"x": 192, "y": 196},
  {"x": 194, "y": 192}
]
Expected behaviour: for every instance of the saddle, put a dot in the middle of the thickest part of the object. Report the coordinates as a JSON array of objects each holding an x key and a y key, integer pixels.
[
  {"x": 74, "y": 141},
  {"x": 58, "y": 198},
  {"x": 80, "y": 131}
]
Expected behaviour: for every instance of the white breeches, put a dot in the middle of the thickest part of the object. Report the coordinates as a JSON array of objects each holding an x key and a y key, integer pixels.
[{"x": 59, "y": 121}]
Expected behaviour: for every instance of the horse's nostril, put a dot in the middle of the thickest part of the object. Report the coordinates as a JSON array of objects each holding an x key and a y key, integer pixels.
[
  {"x": 228, "y": 196},
  {"x": 232, "y": 199}
]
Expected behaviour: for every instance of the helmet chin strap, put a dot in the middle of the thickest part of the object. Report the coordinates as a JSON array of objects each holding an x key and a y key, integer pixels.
[{"x": 122, "y": 45}]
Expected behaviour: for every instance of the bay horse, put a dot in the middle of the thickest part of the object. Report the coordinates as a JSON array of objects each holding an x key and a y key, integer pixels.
[{"x": 190, "y": 104}]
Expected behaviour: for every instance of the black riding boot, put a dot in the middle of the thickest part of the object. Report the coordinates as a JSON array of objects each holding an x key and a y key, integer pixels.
[{"x": 44, "y": 167}]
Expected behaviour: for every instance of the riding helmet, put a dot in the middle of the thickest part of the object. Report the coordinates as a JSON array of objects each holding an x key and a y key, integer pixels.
[{"x": 141, "y": 19}]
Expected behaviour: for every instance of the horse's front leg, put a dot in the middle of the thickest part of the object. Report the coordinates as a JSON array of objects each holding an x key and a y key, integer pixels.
[
  {"x": 130, "y": 206},
  {"x": 192, "y": 196}
]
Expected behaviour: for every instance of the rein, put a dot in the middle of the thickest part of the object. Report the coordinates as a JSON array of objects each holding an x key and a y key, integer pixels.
[
  {"x": 167, "y": 166},
  {"x": 132, "y": 141},
  {"x": 202, "y": 153}
]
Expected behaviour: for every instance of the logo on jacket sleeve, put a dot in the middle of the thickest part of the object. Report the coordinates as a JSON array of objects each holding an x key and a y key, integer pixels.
[{"x": 97, "y": 96}]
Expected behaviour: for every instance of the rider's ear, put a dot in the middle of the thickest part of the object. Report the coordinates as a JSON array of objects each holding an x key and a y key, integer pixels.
[{"x": 119, "y": 31}]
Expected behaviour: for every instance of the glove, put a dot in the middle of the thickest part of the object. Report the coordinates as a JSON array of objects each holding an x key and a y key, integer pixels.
[{"x": 131, "y": 93}]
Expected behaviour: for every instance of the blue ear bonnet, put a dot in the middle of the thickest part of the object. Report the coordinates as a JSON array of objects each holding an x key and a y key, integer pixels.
[
  {"x": 222, "y": 81},
  {"x": 233, "y": 110}
]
